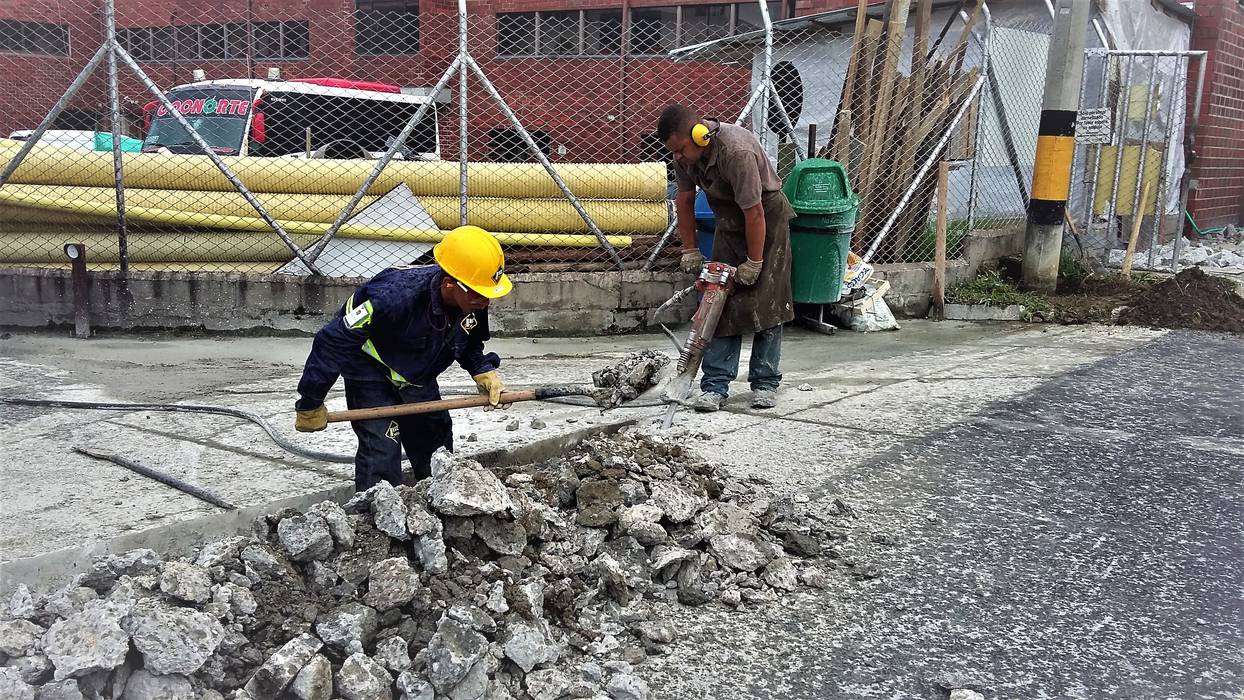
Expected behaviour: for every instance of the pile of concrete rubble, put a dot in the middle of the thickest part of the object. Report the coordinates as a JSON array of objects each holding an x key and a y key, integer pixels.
[{"x": 541, "y": 581}]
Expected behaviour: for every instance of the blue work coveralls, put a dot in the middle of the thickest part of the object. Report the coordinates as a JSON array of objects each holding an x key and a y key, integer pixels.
[{"x": 389, "y": 342}]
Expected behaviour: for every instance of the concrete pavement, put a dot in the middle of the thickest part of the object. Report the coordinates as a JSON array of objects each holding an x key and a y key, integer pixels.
[{"x": 1048, "y": 511}]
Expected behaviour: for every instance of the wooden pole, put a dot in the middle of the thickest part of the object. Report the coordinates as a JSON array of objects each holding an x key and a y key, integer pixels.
[
  {"x": 841, "y": 132},
  {"x": 812, "y": 140},
  {"x": 408, "y": 409},
  {"x": 938, "y": 312},
  {"x": 1138, "y": 215}
]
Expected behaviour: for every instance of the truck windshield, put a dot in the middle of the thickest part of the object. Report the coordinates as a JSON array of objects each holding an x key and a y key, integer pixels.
[
  {"x": 218, "y": 115},
  {"x": 293, "y": 118}
]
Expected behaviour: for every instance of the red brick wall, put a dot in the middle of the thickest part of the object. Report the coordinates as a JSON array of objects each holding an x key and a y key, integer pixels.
[
  {"x": 1219, "y": 164},
  {"x": 597, "y": 109},
  {"x": 32, "y": 84}
]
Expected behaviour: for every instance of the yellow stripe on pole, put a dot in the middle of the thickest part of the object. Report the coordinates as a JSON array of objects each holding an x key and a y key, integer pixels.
[{"x": 1051, "y": 178}]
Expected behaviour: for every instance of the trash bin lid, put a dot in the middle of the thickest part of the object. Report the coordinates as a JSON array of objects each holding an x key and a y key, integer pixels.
[{"x": 820, "y": 186}]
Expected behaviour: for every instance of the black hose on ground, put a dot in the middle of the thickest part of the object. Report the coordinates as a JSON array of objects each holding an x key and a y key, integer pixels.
[{"x": 280, "y": 440}]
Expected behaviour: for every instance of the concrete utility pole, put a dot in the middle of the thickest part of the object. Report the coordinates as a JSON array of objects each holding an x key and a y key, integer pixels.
[{"x": 1056, "y": 144}]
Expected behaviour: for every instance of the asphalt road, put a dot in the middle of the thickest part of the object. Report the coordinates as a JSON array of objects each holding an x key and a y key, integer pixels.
[{"x": 1083, "y": 539}]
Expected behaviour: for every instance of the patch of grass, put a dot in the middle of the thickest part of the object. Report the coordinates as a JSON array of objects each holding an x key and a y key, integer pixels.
[
  {"x": 1072, "y": 270},
  {"x": 990, "y": 289}
]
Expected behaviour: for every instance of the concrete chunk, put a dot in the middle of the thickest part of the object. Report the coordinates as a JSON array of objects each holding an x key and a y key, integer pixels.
[
  {"x": 174, "y": 640},
  {"x": 85, "y": 643},
  {"x": 280, "y": 669},
  {"x": 361, "y": 678},
  {"x": 306, "y": 537},
  {"x": 464, "y": 487},
  {"x": 142, "y": 685}
]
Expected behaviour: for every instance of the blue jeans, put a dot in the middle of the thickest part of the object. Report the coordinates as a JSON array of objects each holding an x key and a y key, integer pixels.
[
  {"x": 379, "y": 455},
  {"x": 721, "y": 362}
]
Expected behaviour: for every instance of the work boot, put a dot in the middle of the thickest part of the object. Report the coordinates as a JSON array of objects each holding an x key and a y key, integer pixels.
[
  {"x": 764, "y": 398},
  {"x": 708, "y": 402}
]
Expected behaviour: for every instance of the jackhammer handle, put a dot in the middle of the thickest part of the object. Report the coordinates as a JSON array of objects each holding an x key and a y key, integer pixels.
[{"x": 408, "y": 409}]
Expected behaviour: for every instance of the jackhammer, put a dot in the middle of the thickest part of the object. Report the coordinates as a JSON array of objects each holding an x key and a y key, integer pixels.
[{"x": 715, "y": 283}]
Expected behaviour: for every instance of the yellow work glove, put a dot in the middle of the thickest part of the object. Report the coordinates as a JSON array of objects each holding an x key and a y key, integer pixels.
[
  {"x": 692, "y": 261},
  {"x": 490, "y": 383},
  {"x": 748, "y": 272},
  {"x": 312, "y": 420}
]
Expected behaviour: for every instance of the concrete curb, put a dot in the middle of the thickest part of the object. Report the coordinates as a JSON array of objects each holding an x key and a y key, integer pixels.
[
  {"x": 47, "y": 571},
  {"x": 984, "y": 312}
]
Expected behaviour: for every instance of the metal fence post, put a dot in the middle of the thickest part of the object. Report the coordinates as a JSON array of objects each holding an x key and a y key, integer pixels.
[
  {"x": 1189, "y": 146},
  {"x": 114, "y": 102},
  {"x": 462, "y": 115}
]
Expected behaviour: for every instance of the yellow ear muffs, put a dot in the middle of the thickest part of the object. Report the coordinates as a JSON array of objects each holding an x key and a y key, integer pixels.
[{"x": 701, "y": 135}]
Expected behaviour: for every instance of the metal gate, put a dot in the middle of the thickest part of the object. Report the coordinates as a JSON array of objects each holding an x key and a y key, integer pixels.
[{"x": 1132, "y": 136}]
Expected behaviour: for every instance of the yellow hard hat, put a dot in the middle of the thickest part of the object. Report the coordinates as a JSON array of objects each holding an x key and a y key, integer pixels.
[{"x": 473, "y": 256}]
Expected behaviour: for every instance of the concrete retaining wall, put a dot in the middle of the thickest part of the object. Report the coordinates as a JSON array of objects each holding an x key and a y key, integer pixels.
[
  {"x": 543, "y": 303},
  {"x": 571, "y": 303}
]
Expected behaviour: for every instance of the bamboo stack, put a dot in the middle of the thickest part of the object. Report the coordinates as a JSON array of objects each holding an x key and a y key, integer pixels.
[{"x": 889, "y": 123}]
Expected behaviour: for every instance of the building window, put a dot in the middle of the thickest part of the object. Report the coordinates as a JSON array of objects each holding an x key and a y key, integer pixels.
[
  {"x": 34, "y": 38},
  {"x": 386, "y": 27},
  {"x": 281, "y": 40},
  {"x": 747, "y": 16},
  {"x": 136, "y": 42},
  {"x": 701, "y": 23},
  {"x": 602, "y": 32},
  {"x": 507, "y": 145},
  {"x": 654, "y": 30},
  {"x": 561, "y": 33},
  {"x": 78, "y": 120},
  {"x": 657, "y": 30},
  {"x": 516, "y": 34},
  {"x": 557, "y": 33},
  {"x": 217, "y": 42}
]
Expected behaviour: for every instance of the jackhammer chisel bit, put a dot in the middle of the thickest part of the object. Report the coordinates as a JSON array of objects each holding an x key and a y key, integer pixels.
[{"x": 715, "y": 284}]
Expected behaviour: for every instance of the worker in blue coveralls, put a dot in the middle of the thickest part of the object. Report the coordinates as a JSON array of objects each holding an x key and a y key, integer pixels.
[{"x": 391, "y": 340}]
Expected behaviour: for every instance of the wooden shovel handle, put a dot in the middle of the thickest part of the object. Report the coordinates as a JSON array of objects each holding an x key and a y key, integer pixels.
[{"x": 408, "y": 409}]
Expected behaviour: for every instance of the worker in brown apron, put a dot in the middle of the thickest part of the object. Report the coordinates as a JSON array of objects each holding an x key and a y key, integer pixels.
[{"x": 753, "y": 234}]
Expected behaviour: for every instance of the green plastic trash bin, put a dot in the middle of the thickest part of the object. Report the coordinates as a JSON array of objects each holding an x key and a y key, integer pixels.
[
  {"x": 818, "y": 262},
  {"x": 820, "y": 234}
]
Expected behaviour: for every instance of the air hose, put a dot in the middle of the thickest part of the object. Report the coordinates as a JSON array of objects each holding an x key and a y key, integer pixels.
[{"x": 280, "y": 440}]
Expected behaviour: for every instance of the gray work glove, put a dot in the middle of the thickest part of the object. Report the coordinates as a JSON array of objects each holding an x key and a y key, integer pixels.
[
  {"x": 692, "y": 261},
  {"x": 748, "y": 272}
]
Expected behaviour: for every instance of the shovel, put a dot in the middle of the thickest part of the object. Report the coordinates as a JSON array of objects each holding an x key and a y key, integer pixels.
[{"x": 605, "y": 398}]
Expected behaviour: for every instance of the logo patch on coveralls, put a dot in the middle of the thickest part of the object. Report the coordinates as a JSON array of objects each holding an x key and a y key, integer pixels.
[
  {"x": 469, "y": 322},
  {"x": 392, "y": 433}
]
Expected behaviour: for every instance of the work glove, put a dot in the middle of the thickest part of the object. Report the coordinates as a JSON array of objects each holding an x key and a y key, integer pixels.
[
  {"x": 748, "y": 272},
  {"x": 692, "y": 261},
  {"x": 490, "y": 383},
  {"x": 312, "y": 420}
]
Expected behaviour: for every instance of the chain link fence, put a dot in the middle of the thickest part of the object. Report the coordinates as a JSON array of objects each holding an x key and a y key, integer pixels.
[
  {"x": 852, "y": 92},
  {"x": 346, "y": 133},
  {"x": 1128, "y": 185}
]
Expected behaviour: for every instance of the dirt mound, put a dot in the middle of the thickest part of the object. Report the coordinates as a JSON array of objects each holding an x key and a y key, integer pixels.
[{"x": 1190, "y": 299}]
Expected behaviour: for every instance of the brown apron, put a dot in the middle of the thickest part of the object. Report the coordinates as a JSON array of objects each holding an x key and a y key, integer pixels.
[{"x": 767, "y": 303}]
